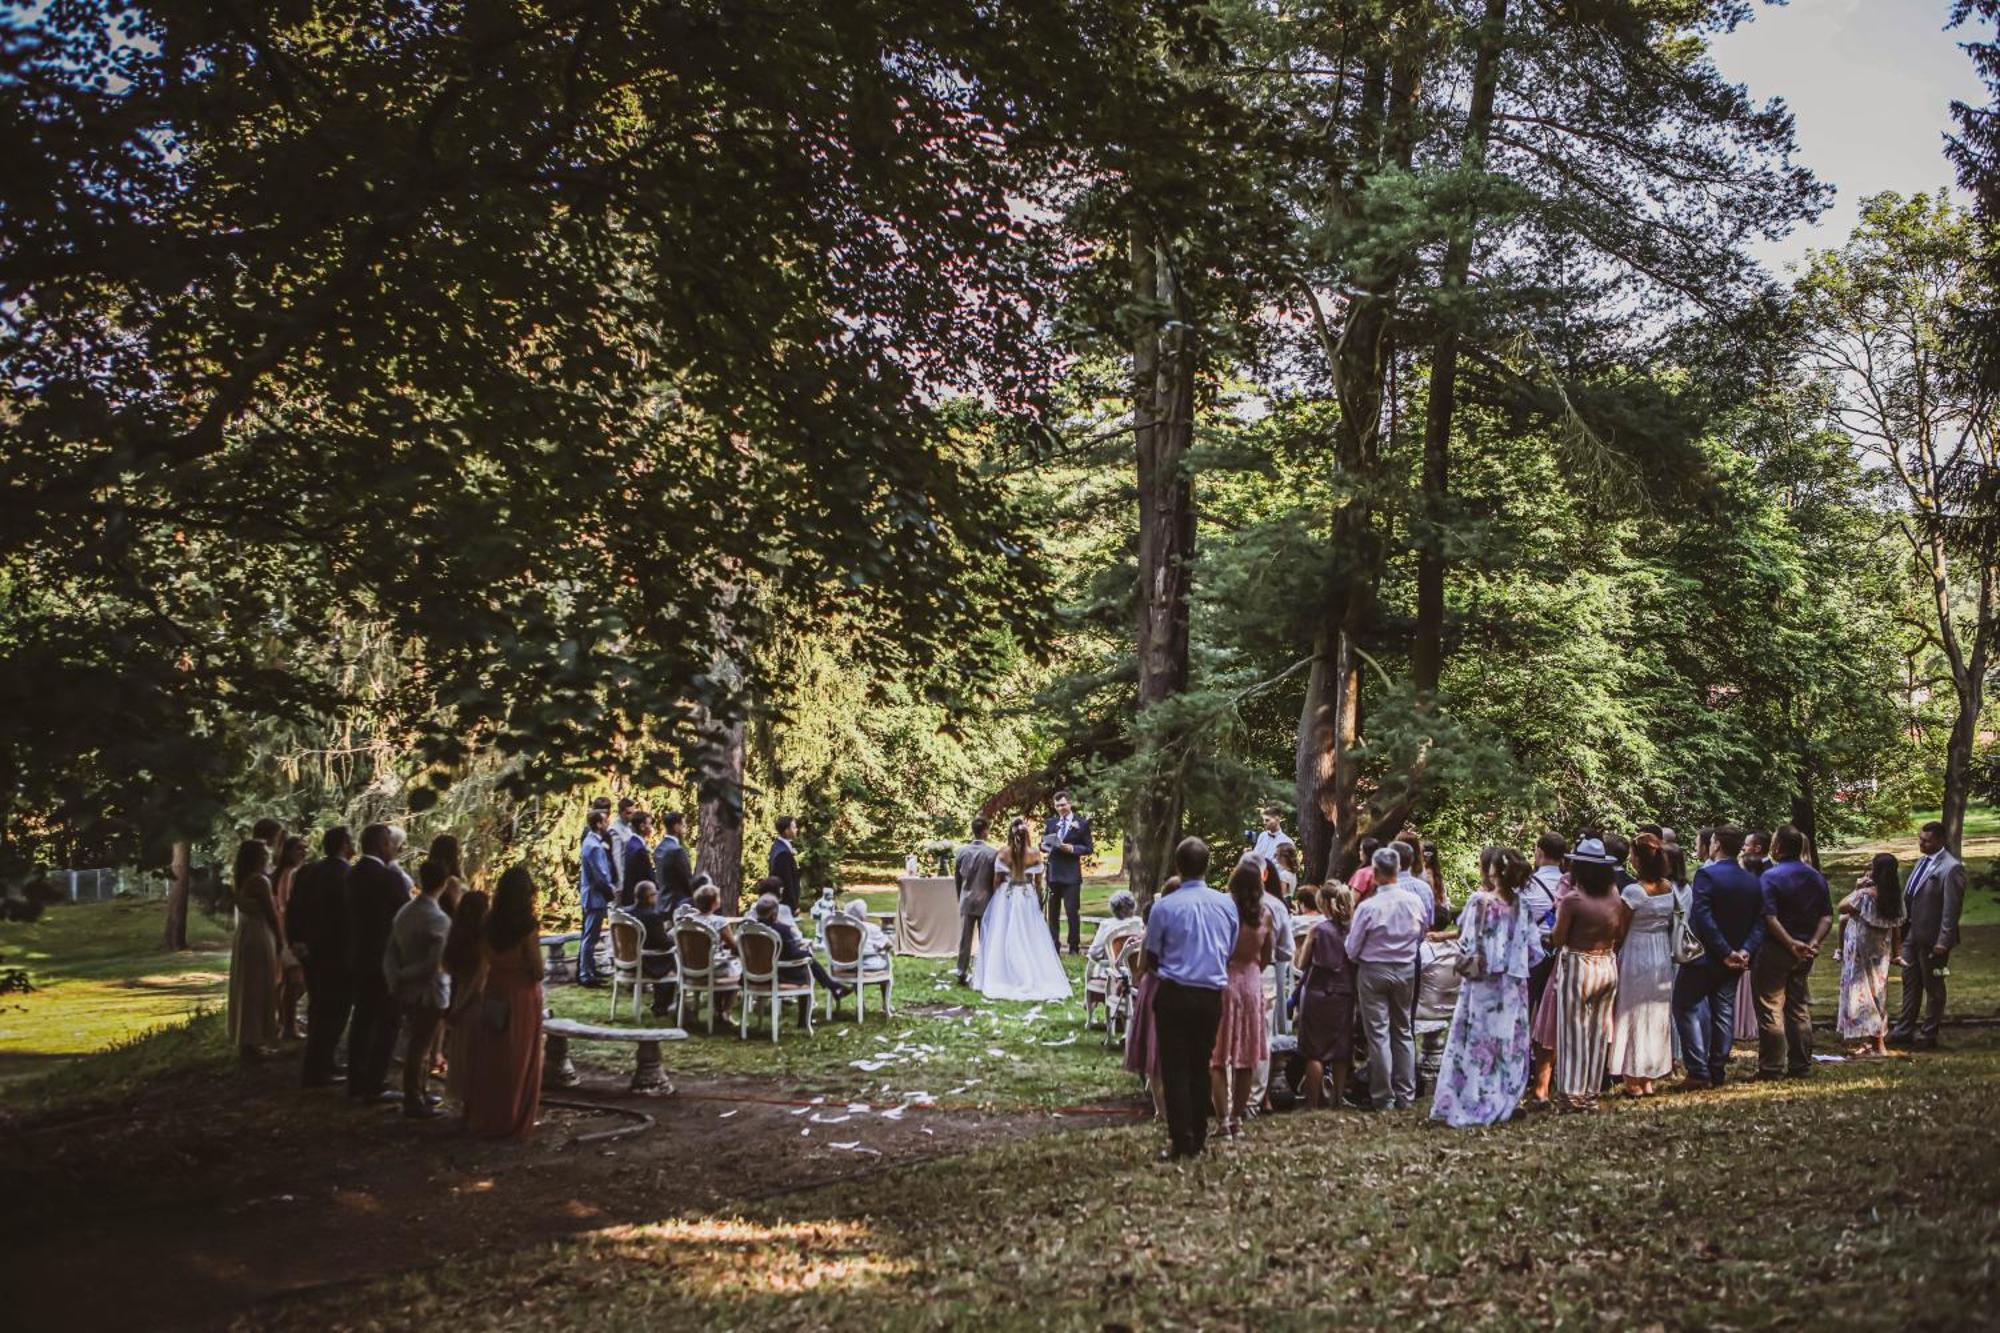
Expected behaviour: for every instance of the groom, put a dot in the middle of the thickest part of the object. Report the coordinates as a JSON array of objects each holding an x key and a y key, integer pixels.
[
  {"x": 973, "y": 874},
  {"x": 1065, "y": 842}
]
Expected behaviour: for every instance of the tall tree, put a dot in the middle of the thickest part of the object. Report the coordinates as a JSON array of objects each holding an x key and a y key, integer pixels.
[{"x": 1880, "y": 312}]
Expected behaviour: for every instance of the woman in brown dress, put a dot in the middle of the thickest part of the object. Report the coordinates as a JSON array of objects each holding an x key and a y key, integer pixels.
[
  {"x": 253, "y": 955},
  {"x": 293, "y": 987},
  {"x": 465, "y": 956},
  {"x": 1326, "y": 999},
  {"x": 503, "y": 1030}
]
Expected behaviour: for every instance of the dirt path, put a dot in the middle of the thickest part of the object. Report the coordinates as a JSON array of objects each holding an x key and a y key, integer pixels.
[{"x": 206, "y": 1197}]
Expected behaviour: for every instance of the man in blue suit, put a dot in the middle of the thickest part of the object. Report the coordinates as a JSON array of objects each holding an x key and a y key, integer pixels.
[
  {"x": 596, "y": 889},
  {"x": 1727, "y": 916},
  {"x": 1065, "y": 842}
]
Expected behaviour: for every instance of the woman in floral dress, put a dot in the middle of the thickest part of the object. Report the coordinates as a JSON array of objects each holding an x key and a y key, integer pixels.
[
  {"x": 1869, "y": 917},
  {"x": 1487, "y": 1057}
]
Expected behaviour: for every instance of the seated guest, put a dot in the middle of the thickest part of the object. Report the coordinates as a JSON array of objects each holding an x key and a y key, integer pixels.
[
  {"x": 874, "y": 939},
  {"x": 1124, "y": 921},
  {"x": 706, "y": 899},
  {"x": 659, "y": 939},
  {"x": 793, "y": 951}
]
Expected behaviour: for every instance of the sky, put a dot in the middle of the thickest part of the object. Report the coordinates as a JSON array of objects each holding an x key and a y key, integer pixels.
[{"x": 1870, "y": 84}]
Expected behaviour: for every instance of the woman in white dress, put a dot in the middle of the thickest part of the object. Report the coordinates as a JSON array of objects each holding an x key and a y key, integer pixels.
[
  {"x": 1642, "y": 1032},
  {"x": 1017, "y": 956}
]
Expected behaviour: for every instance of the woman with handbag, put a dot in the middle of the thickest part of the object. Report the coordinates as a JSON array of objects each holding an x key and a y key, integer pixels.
[
  {"x": 1487, "y": 1056},
  {"x": 502, "y": 1037},
  {"x": 1642, "y": 1032}
]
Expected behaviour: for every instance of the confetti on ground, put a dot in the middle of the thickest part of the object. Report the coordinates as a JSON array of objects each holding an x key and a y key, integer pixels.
[
  {"x": 831, "y": 1119},
  {"x": 726, "y": 1114}
]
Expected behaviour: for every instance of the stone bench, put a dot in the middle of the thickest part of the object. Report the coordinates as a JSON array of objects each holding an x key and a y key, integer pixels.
[
  {"x": 554, "y": 945},
  {"x": 648, "y": 1074}
]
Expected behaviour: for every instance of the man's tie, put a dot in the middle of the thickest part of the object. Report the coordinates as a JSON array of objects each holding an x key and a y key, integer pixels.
[{"x": 1917, "y": 879}]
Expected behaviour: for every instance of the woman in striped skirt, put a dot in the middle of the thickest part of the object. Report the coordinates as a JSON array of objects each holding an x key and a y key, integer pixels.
[{"x": 1590, "y": 925}]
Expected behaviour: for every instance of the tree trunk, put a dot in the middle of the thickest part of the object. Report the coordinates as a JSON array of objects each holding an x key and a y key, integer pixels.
[
  {"x": 1969, "y": 689},
  {"x": 178, "y": 892},
  {"x": 1162, "y": 429},
  {"x": 1312, "y": 766},
  {"x": 1427, "y": 654},
  {"x": 719, "y": 824}
]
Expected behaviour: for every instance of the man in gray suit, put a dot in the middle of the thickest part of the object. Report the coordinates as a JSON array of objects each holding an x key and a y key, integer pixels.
[
  {"x": 1931, "y": 903},
  {"x": 973, "y": 873}
]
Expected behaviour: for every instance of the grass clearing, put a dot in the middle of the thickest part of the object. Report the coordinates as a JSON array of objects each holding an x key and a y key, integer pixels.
[{"x": 1859, "y": 1198}]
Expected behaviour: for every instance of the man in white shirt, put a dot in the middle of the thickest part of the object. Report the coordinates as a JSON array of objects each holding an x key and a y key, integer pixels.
[
  {"x": 413, "y": 965},
  {"x": 1539, "y": 893},
  {"x": 1273, "y": 836},
  {"x": 1383, "y": 941}
]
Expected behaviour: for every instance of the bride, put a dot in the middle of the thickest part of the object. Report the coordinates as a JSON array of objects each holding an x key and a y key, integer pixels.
[{"x": 1017, "y": 956}]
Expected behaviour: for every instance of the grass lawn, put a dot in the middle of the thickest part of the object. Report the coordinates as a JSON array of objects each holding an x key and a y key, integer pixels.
[
  {"x": 1864, "y": 1198},
  {"x": 101, "y": 980}
]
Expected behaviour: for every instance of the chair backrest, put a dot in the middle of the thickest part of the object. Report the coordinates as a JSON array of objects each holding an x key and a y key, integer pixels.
[
  {"x": 757, "y": 947},
  {"x": 1116, "y": 945},
  {"x": 628, "y": 937},
  {"x": 695, "y": 946},
  {"x": 844, "y": 936}
]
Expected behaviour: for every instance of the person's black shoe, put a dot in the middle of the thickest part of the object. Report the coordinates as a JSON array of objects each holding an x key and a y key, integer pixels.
[
  {"x": 1899, "y": 1039},
  {"x": 591, "y": 983},
  {"x": 841, "y": 992},
  {"x": 420, "y": 1111},
  {"x": 964, "y": 980},
  {"x": 1923, "y": 1043},
  {"x": 388, "y": 1095}
]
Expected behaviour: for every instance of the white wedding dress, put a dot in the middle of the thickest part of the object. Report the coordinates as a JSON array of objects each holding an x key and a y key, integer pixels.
[{"x": 1017, "y": 958}]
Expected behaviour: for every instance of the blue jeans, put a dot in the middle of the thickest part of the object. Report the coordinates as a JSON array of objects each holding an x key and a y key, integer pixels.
[
  {"x": 1704, "y": 1008},
  {"x": 586, "y": 957}
]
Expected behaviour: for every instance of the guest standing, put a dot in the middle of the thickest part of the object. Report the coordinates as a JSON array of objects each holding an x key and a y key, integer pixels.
[
  {"x": 673, "y": 873},
  {"x": 1726, "y": 913},
  {"x": 1931, "y": 905},
  {"x": 1869, "y": 918},
  {"x": 1065, "y": 842},
  {"x": 1240, "y": 1041},
  {"x": 1275, "y": 979},
  {"x": 1539, "y": 893},
  {"x": 1273, "y": 836},
  {"x": 377, "y": 889},
  {"x": 292, "y": 986},
  {"x": 1362, "y": 881},
  {"x": 465, "y": 967},
  {"x": 316, "y": 924},
  {"x": 1798, "y": 912},
  {"x": 1383, "y": 943},
  {"x": 638, "y": 863},
  {"x": 1189, "y": 938},
  {"x": 784, "y": 861},
  {"x": 1488, "y": 1055},
  {"x": 1590, "y": 925},
  {"x": 445, "y": 851},
  {"x": 1642, "y": 1029},
  {"x": 253, "y": 954},
  {"x": 413, "y": 965},
  {"x": 503, "y": 1037},
  {"x": 596, "y": 890},
  {"x": 1142, "y": 1049},
  {"x": 1326, "y": 999}
]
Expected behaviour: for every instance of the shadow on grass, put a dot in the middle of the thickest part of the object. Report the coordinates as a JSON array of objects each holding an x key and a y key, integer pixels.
[{"x": 37, "y": 1083}]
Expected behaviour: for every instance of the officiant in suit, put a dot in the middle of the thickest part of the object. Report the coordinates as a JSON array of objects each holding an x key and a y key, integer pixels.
[
  {"x": 1065, "y": 842},
  {"x": 972, "y": 873},
  {"x": 1932, "y": 901},
  {"x": 784, "y": 861}
]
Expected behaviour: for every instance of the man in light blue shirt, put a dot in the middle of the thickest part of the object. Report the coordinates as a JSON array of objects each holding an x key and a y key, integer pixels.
[
  {"x": 1189, "y": 937},
  {"x": 595, "y": 888},
  {"x": 1383, "y": 940}
]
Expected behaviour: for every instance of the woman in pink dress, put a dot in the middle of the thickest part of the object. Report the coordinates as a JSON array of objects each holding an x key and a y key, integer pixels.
[
  {"x": 502, "y": 1038},
  {"x": 1239, "y": 1039}
]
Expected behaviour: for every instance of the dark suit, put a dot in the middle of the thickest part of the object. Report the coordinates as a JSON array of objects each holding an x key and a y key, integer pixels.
[
  {"x": 316, "y": 924},
  {"x": 1932, "y": 901},
  {"x": 1727, "y": 915},
  {"x": 972, "y": 874},
  {"x": 659, "y": 937},
  {"x": 375, "y": 893},
  {"x": 1065, "y": 879},
  {"x": 638, "y": 870},
  {"x": 792, "y": 948},
  {"x": 673, "y": 872},
  {"x": 784, "y": 864}
]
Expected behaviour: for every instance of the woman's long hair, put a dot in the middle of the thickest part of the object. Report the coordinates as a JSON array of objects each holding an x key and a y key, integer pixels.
[
  {"x": 1017, "y": 849},
  {"x": 513, "y": 917},
  {"x": 1649, "y": 860},
  {"x": 1508, "y": 871},
  {"x": 1888, "y": 878},
  {"x": 1246, "y": 889},
  {"x": 466, "y": 944},
  {"x": 251, "y": 859},
  {"x": 445, "y": 851}
]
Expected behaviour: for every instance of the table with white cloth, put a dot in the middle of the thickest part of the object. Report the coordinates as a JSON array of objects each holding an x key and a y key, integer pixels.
[{"x": 927, "y": 917}]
